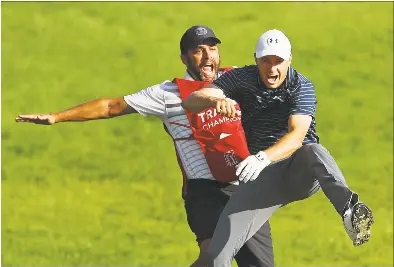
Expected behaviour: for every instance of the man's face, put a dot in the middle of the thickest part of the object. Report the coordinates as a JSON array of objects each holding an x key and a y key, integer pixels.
[
  {"x": 203, "y": 61},
  {"x": 272, "y": 70}
]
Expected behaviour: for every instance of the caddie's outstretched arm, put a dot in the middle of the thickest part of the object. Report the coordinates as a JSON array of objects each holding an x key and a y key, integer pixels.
[{"x": 103, "y": 108}]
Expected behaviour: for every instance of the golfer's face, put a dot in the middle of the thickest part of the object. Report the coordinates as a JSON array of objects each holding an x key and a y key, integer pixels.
[
  {"x": 273, "y": 70},
  {"x": 203, "y": 61}
]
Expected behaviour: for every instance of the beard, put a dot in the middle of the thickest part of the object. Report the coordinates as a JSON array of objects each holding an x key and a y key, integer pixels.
[{"x": 198, "y": 72}]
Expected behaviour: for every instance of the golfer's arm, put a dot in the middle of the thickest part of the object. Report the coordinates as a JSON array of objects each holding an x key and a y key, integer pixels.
[
  {"x": 103, "y": 108},
  {"x": 204, "y": 98},
  {"x": 290, "y": 142}
]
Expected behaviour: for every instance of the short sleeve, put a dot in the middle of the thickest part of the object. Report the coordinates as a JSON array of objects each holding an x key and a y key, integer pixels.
[
  {"x": 303, "y": 101},
  {"x": 149, "y": 101}
]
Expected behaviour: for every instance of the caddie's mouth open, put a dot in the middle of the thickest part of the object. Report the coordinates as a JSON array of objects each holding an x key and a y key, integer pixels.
[
  {"x": 208, "y": 72},
  {"x": 208, "y": 68}
]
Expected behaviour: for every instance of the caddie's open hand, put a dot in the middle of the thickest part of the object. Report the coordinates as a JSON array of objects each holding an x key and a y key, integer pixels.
[
  {"x": 250, "y": 168},
  {"x": 226, "y": 107},
  {"x": 46, "y": 119}
]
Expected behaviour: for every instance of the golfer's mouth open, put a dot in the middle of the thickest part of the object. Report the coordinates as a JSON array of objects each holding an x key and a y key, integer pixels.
[{"x": 271, "y": 79}]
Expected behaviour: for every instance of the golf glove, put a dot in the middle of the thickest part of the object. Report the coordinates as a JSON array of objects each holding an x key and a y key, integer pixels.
[{"x": 250, "y": 168}]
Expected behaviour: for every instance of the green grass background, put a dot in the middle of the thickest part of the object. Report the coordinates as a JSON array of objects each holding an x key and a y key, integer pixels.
[{"x": 107, "y": 193}]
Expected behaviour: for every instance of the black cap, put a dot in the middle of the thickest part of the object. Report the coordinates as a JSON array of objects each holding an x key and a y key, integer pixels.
[{"x": 195, "y": 36}]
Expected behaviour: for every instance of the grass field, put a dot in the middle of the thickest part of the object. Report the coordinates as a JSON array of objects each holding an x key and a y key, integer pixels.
[{"x": 107, "y": 193}]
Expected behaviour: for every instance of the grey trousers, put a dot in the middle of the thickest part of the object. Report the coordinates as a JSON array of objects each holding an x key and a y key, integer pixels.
[{"x": 295, "y": 178}]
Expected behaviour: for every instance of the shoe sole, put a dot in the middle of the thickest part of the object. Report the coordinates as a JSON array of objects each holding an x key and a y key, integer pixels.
[{"x": 362, "y": 221}]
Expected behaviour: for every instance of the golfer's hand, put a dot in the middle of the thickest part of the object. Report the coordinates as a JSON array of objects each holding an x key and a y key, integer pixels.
[
  {"x": 250, "y": 168},
  {"x": 226, "y": 107},
  {"x": 46, "y": 119}
]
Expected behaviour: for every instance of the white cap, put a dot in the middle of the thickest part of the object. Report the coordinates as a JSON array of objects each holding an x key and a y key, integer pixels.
[{"x": 273, "y": 43}]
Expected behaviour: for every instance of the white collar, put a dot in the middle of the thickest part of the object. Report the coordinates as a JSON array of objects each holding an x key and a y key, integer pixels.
[{"x": 187, "y": 76}]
